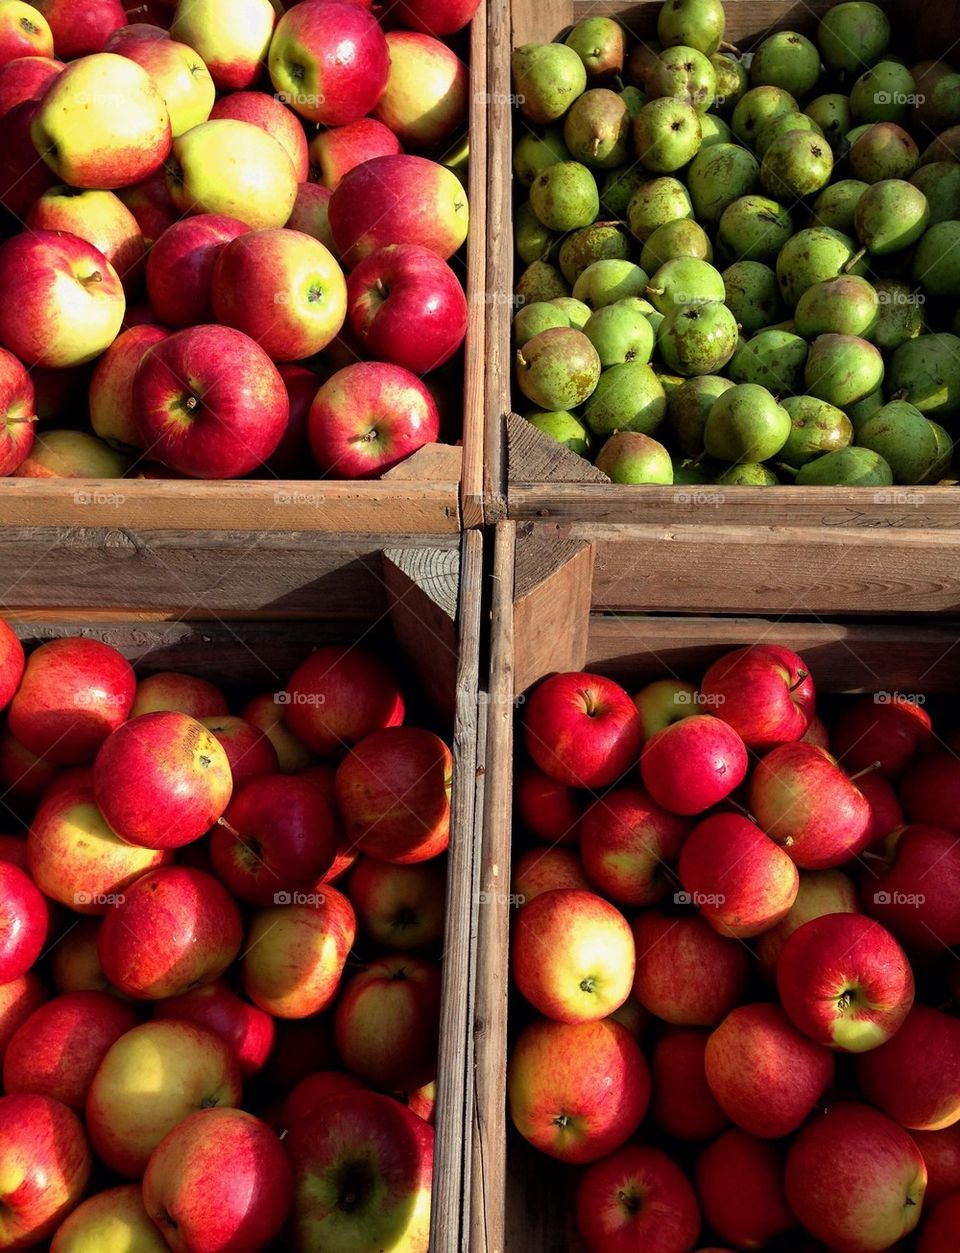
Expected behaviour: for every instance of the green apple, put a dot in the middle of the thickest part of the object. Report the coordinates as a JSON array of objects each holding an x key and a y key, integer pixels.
[{"x": 664, "y": 702}]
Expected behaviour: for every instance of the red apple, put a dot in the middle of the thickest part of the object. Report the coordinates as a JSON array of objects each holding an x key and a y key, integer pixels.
[
  {"x": 329, "y": 61},
  {"x": 340, "y": 149},
  {"x": 117, "y": 1212},
  {"x": 266, "y": 714},
  {"x": 941, "y": 1152},
  {"x": 740, "y": 1186},
  {"x": 338, "y": 696},
  {"x": 540, "y": 870},
  {"x": 819, "y": 892},
  {"x": 17, "y": 421},
  {"x": 664, "y": 702},
  {"x": 765, "y": 693},
  {"x": 69, "y": 304},
  {"x": 44, "y": 1168},
  {"x": 930, "y": 792},
  {"x": 582, "y": 730},
  {"x": 362, "y": 1175},
  {"x": 683, "y": 1105},
  {"x": 885, "y": 812},
  {"x": 427, "y": 96},
  {"x": 74, "y": 962},
  {"x": 845, "y": 982},
  {"x": 270, "y": 114},
  {"x": 19, "y": 998},
  {"x": 369, "y": 417},
  {"x": 855, "y": 1152},
  {"x": 24, "y": 919},
  {"x": 766, "y": 1075},
  {"x": 180, "y": 267},
  {"x": 692, "y": 764},
  {"x": 311, "y": 214},
  {"x": 112, "y": 409},
  {"x": 577, "y": 1091},
  {"x": 57, "y": 1051},
  {"x": 296, "y": 953},
  {"x": 22, "y": 177},
  {"x": 803, "y": 800},
  {"x": 25, "y": 78},
  {"x": 637, "y": 1198},
  {"x": 549, "y": 810},
  {"x": 136, "y": 32},
  {"x": 300, "y": 1048},
  {"x": 436, "y": 17},
  {"x": 248, "y": 1031},
  {"x": 291, "y": 457},
  {"x": 150, "y": 1080},
  {"x": 311, "y": 1092},
  {"x": 12, "y": 661},
  {"x": 283, "y": 289},
  {"x": 939, "y": 1231},
  {"x": 175, "y": 929},
  {"x": 69, "y": 454},
  {"x": 686, "y": 973},
  {"x": 816, "y": 733},
  {"x": 398, "y": 200},
  {"x": 99, "y": 217},
  {"x": 885, "y": 728},
  {"x": 167, "y": 691},
  {"x": 22, "y": 773},
  {"x": 393, "y": 793},
  {"x": 627, "y": 842},
  {"x": 916, "y": 893},
  {"x": 149, "y": 202},
  {"x": 232, "y": 36},
  {"x": 24, "y": 32},
  {"x": 199, "y": 1206},
  {"x": 387, "y": 1022},
  {"x": 573, "y": 955},
  {"x": 179, "y": 75},
  {"x": 79, "y": 30},
  {"x": 182, "y": 780},
  {"x": 249, "y": 751},
  {"x": 400, "y": 907},
  {"x": 913, "y": 1076},
  {"x": 407, "y": 307}
]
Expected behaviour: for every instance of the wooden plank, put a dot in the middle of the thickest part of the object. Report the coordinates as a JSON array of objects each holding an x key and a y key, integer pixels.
[
  {"x": 553, "y": 582},
  {"x": 433, "y": 463},
  {"x": 536, "y": 458},
  {"x": 843, "y": 657},
  {"x": 538, "y": 21},
  {"x": 377, "y": 508},
  {"x": 422, "y": 589},
  {"x": 540, "y": 1196},
  {"x": 488, "y": 1172}
]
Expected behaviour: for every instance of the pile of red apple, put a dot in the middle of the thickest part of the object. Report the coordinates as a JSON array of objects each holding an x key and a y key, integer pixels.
[
  {"x": 219, "y": 940},
  {"x": 226, "y": 229},
  {"x": 739, "y": 930}
]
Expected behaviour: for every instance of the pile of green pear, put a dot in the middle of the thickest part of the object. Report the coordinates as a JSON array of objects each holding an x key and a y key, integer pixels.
[{"x": 739, "y": 268}]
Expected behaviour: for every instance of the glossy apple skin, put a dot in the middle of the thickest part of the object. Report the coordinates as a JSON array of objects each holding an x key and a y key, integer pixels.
[
  {"x": 573, "y": 955},
  {"x": 683, "y": 1105},
  {"x": 398, "y": 200},
  {"x": 939, "y": 1232},
  {"x": 765, "y": 1074},
  {"x": 180, "y": 77},
  {"x": 941, "y": 1152},
  {"x": 272, "y": 116},
  {"x": 858, "y": 1153},
  {"x": 407, "y": 306},
  {"x": 845, "y": 981},
  {"x": 176, "y": 928},
  {"x": 387, "y": 1022},
  {"x": 114, "y": 1215},
  {"x": 247, "y": 1030},
  {"x": 178, "y": 693},
  {"x": 400, "y": 907},
  {"x": 180, "y": 267},
  {"x": 17, "y": 423},
  {"x": 282, "y": 288},
  {"x": 426, "y": 98},
  {"x": 819, "y": 892},
  {"x": 338, "y": 696},
  {"x": 393, "y": 793},
  {"x": 687, "y": 974},
  {"x": 340, "y": 149},
  {"x": 112, "y": 413},
  {"x": 892, "y": 731},
  {"x": 930, "y": 792},
  {"x": 916, "y": 895},
  {"x": 664, "y": 702},
  {"x": 637, "y": 1198},
  {"x": 296, "y": 954},
  {"x": 739, "y": 1181},
  {"x": 266, "y": 714},
  {"x": 803, "y": 800},
  {"x": 12, "y": 660},
  {"x": 310, "y": 1092},
  {"x": 371, "y": 1137},
  {"x": 912, "y": 1077},
  {"x": 249, "y": 752},
  {"x": 627, "y": 841},
  {"x": 436, "y": 17},
  {"x": 45, "y": 1164},
  {"x": 149, "y": 202},
  {"x": 24, "y": 78},
  {"x": 70, "y": 454},
  {"x": 693, "y": 764},
  {"x": 199, "y": 1206},
  {"x": 369, "y": 417},
  {"x": 582, "y": 730},
  {"x": 311, "y": 214},
  {"x": 182, "y": 774},
  {"x": 540, "y": 870},
  {"x": 19, "y": 998},
  {"x": 24, "y": 32},
  {"x": 232, "y": 36},
  {"x": 22, "y": 177},
  {"x": 99, "y": 217},
  {"x": 764, "y": 692},
  {"x": 548, "y": 810},
  {"x": 329, "y": 61},
  {"x": 886, "y": 814},
  {"x": 24, "y": 919},
  {"x": 190, "y": 1069},
  {"x": 233, "y": 417},
  {"x": 146, "y": 30},
  {"x": 593, "y": 1073},
  {"x": 57, "y": 1051},
  {"x": 741, "y": 881},
  {"x": 80, "y": 30}
]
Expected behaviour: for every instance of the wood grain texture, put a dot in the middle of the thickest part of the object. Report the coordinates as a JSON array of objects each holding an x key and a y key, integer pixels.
[
  {"x": 534, "y": 457},
  {"x": 433, "y": 463},
  {"x": 474, "y": 365},
  {"x": 422, "y": 590},
  {"x": 553, "y": 583}
]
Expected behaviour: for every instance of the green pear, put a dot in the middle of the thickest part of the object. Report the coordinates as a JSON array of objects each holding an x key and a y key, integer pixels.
[
  {"x": 697, "y": 339},
  {"x": 836, "y": 206},
  {"x": 815, "y": 428},
  {"x": 684, "y": 281},
  {"x": 565, "y": 196},
  {"x": 634, "y": 99},
  {"x": 687, "y": 75},
  {"x": 942, "y": 466},
  {"x": 783, "y": 125},
  {"x": 600, "y": 241},
  {"x": 655, "y": 202},
  {"x": 714, "y": 130},
  {"x": 540, "y": 281},
  {"x": 575, "y": 311},
  {"x": 796, "y": 164},
  {"x": 597, "y": 129},
  {"x": 631, "y": 457},
  {"x": 746, "y": 424},
  {"x": 847, "y": 467},
  {"x": 620, "y": 333},
  {"x": 748, "y": 474},
  {"x": 891, "y": 215},
  {"x": 847, "y": 305},
  {"x": 687, "y": 473},
  {"x": 718, "y": 176},
  {"x": 617, "y": 189},
  {"x": 940, "y": 184},
  {"x": 864, "y": 409},
  {"x": 558, "y": 369},
  {"x": 688, "y": 406},
  {"x": 666, "y": 135},
  {"x": 643, "y": 65},
  {"x": 732, "y": 82},
  {"x": 773, "y": 359},
  {"x": 787, "y": 60},
  {"x": 946, "y": 147},
  {"x": 941, "y": 107},
  {"x": 857, "y": 133},
  {"x": 754, "y": 228},
  {"x": 533, "y": 153},
  {"x": 534, "y": 318},
  {"x": 832, "y": 114},
  {"x": 753, "y": 296},
  {"x": 905, "y": 439},
  {"x": 531, "y": 237},
  {"x": 936, "y": 263},
  {"x": 853, "y": 36},
  {"x": 605, "y": 282},
  {"x": 899, "y": 315},
  {"x": 884, "y": 151},
  {"x": 926, "y": 371},
  {"x": 758, "y": 107},
  {"x": 628, "y": 397},
  {"x": 812, "y": 256},
  {"x": 547, "y": 78},
  {"x": 883, "y": 94},
  {"x": 693, "y": 24},
  {"x": 842, "y": 369},
  {"x": 563, "y": 426},
  {"x": 600, "y": 43},
  {"x": 680, "y": 238}
]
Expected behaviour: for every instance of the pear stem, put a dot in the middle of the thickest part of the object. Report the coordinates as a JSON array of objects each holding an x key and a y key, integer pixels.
[{"x": 854, "y": 260}]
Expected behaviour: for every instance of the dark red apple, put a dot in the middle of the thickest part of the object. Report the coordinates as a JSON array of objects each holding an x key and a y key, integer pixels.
[
  {"x": 82, "y": 29},
  {"x": 291, "y": 459},
  {"x": 765, "y": 693},
  {"x": 582, "y": 730},
  {"x": 683, "y": 1105},
  {"x": 740, "y": 1186},
  {"x": 637, "y": 1198},
  {"x": 338, "y": 696},
  {"x": 549, "y": 810},
  {"x": 249, "y": 752},
  {"x": 338, "y": 150},
  {"x": 247, "y": 1030},
  {"x": 913, "y": 1076},
  {"x": 45, "y": 1164},
  {"x": 25, "y": 77},
  {"x": 24, "y": 919},
  {"x": 180, "y": 267},
  {"x": 686, "y": 973},
  {"x": 916, "y": 893},
  {"x": 930, "y": 791},
  {"x": 693, "y": 764},
  {"x": 884, "y": 728},
  {"x": 12, "y": 661}
]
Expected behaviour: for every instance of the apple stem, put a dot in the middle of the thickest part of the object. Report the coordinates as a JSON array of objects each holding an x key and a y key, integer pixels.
[
  {"x": 192, "y": 403},
  {"x": 854, "y": 260},
  {"x": 802, "y": 677},
  {"x": 222, "y": 822},
  {"x": 21, "y": 421},
  {"x": 872, "y": 856},
  {"x": 874, "y": 765},
  {"x": 381, "y": 288},
  {"x": 95, "y": 277}
]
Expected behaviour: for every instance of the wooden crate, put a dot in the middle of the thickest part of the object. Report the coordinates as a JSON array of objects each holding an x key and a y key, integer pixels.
[
  {"x": 538, "y": 478},
  {"x": 545, "y": 619},
  {"x": 428, "y": 615},
  {"x": 438, "y": 490}
]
